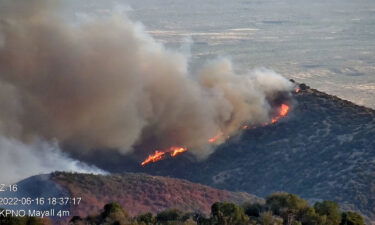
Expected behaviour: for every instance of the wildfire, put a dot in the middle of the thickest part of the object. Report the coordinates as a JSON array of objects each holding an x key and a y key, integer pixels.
[
  {"x": 176, "y": 150},
  {"x": 283, "y": 112},
  {"x": 284, "y": 109},
  {"x": 159, "y": 155},
  {"x": 215, "y": 138},
  {"x": 154, "y": 158}
]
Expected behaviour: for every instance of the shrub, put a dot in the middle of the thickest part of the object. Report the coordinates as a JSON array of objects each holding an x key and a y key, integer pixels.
[
  {"x": 351, "y": 218},
  {"x": 329, "y": 209},
  {"x": 224, "y": 213}
]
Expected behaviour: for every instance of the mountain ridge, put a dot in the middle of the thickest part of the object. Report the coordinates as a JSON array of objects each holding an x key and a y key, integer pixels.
[
  {"x": 324, "y": 149},
  {"x": 136, "y": 193}
]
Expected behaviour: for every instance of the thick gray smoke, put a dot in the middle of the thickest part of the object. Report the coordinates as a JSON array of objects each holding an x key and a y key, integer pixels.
[{"x": 106, "y": 84}]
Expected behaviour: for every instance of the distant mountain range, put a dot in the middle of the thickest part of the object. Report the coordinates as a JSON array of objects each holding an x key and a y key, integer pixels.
[{"x": 324, "y": 149}]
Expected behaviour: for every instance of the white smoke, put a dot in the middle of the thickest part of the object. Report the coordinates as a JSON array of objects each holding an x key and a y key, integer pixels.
[{"x": 18, "y": 160}]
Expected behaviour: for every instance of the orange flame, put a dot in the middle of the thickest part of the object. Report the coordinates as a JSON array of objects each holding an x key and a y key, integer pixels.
[
  {"x": 177, "y": 150},
  {"x": 154, "y": 158},
  {"x": 284, "y": 109},
  {"x": 159, "y": 155},
  {"x": 283, "y": 112},
  {"x": 215, "y": 138}
]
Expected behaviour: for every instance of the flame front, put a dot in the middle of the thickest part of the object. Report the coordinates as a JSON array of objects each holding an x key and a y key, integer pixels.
[
  {"x": 176, "y": 150},
  {"x": 284, "y": 109},
  {"x": 159, "y": 155},
  {"x": 154, "y": 158},
  {"x": 283, "y": 112}
]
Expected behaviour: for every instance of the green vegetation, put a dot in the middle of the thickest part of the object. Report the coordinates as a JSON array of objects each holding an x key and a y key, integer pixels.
[
  {"x": 22, "y": 220},
  {"x": 228, "y": 214},
  {"x": 278, "y": 209},
  {"x": 352, "y": 218}
]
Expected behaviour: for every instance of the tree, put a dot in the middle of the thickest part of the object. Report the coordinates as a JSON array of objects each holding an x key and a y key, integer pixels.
[
  {"x": 352, "y": 218},
  {"x": 329, "y": 209},
  {"x": 266, "y": 218},
  {"x": 146, "y": 218},
  {"x": 169, "y": 215},
  {"x": 308, "y": 216},
  {"x": 114, "y": 214},
  {"x": 224, "y": 213},
  {"x": 201, "y": 220},
  {"x": 253, "y": 209},
  {"x": 286, "y": 205},
  {"x": 281, "y": 201}
]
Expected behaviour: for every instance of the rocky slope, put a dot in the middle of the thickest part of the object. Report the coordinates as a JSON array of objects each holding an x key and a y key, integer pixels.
[{"x": 324, "y": 149}]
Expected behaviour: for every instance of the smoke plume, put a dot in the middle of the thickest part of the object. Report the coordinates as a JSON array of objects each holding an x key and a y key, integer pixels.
[
  {"x": 106, "y": 84},
  {"x": 19, "y": 160}
]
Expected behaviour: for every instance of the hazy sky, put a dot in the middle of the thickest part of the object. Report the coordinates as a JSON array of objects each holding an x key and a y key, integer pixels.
[{"x": 327, "y": 44}]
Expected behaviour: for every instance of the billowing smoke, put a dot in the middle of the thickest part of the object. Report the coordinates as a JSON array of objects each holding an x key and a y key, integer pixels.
[
  {"x": 19, "y": 160},
  {"x": 106, "y": 84}
]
